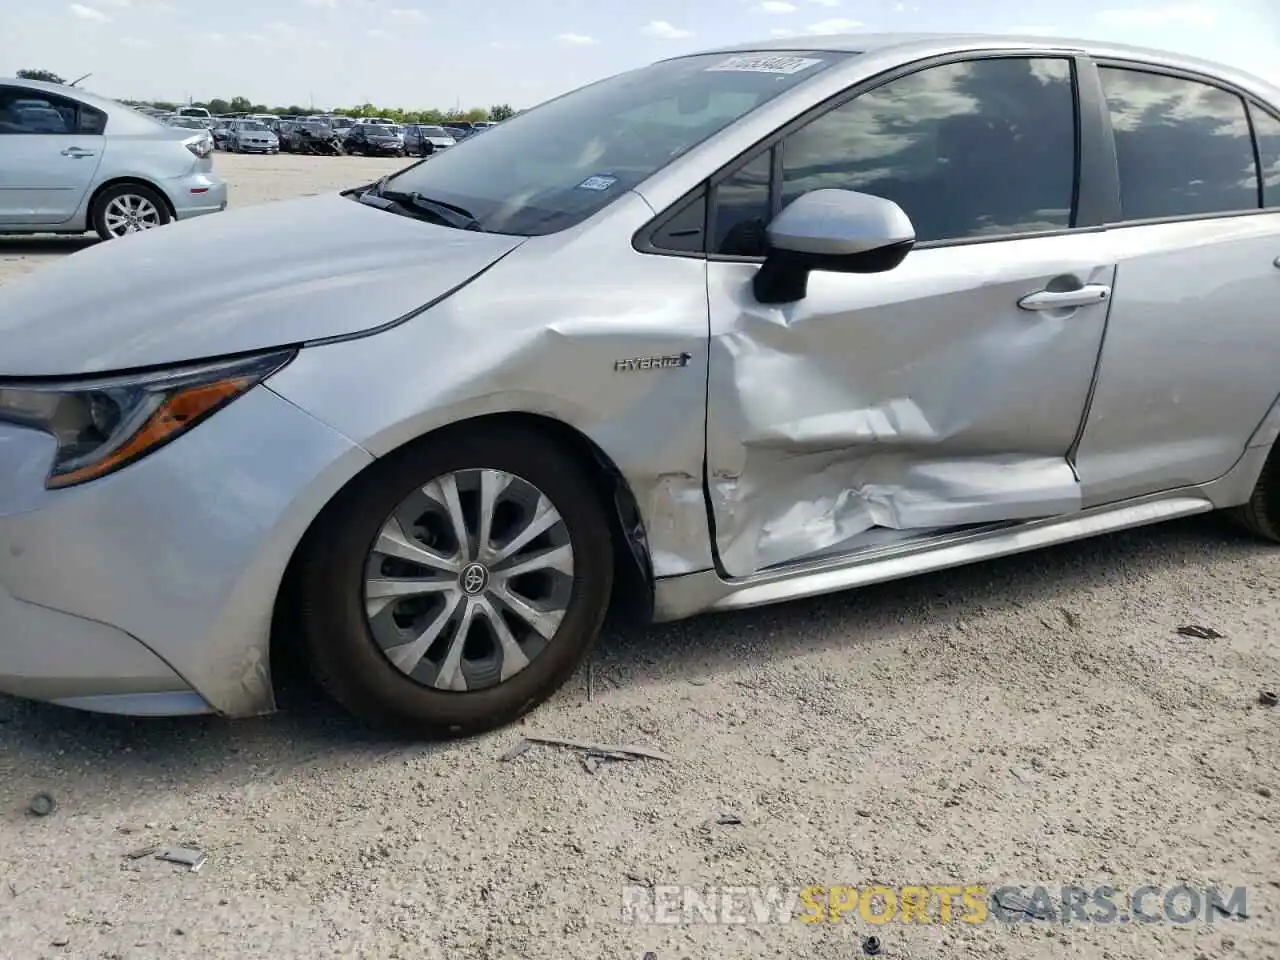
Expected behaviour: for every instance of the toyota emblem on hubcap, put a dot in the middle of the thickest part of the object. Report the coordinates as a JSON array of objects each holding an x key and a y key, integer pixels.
[{"x": 473, "y": 579}]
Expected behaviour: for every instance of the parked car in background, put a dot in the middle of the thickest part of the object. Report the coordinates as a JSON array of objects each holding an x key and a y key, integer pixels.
[
  {"x": 370, "y": 139},
  {"x": 340, "y": 125},
  {"x": 312, "y": 137},
  {"x": 198, "y": 112},
  {"x": 71, "y": 161},
  {"x": 251, "y": 136},
  {"x": 221, "y": 133},
  {"x": 823, "y": 312},
  {"x": 284, "y": 133},
  {"x": 190, "y": 123},
  {"x": 458, "y": 133},
  {"x": 424, "y": 139}
]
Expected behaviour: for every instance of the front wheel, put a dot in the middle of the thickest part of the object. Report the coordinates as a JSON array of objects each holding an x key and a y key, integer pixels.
[
  {"x": 1261, "y": 515},
  {"x": 458, "y": 584},
  {"x": 127, "y": 208}
]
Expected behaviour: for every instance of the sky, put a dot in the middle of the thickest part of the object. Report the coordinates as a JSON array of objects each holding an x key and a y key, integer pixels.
[{"x": 417, "y": 54}]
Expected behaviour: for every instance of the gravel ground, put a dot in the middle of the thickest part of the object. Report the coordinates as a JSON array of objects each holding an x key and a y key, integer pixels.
[{"x": 1036, "y": 720}]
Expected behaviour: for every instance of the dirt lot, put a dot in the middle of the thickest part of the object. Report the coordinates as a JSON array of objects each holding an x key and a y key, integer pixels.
[{"x": 1031, "y": 721}]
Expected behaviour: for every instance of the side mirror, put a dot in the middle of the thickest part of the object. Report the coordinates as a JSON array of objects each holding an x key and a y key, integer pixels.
[{"x": 838, "y": 230}]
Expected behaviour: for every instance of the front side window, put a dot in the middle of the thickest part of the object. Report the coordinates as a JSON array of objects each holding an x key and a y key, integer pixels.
[
  {"x": 556, "y": 165},
  {"x": 980, "y": 148},
  {"x": 1183, "y": 146},
  {"x": 742, "y": 209}
]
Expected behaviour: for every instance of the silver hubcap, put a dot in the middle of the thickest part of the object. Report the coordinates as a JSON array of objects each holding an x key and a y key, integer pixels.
[
  {"x": 130, "y": 213},
  {"x": 469, "y": 580}
]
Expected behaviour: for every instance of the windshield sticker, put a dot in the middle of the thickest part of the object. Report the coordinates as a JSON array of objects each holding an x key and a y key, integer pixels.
[
  {"x": 597, "y": 183},
  {"x": 763, "y": 64}
]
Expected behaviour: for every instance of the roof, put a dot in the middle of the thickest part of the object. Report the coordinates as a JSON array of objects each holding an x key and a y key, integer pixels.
[
  {"x": 929, "y": 44},
  {"x": 64, "y": 90}
]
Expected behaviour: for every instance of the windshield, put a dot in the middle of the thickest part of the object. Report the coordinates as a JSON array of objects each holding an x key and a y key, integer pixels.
[
  {"x": 433, "y": 131},
  {"x": 557, "y": 164},
  {"x": 252, "y": 125}
]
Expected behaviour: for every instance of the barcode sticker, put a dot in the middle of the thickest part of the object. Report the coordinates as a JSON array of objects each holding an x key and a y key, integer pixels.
[
  {"x": 597, "y": 182},
  {"x": 759, "y": 63}
]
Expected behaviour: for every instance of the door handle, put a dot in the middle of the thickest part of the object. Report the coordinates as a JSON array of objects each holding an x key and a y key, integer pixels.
[
  {"x": 1087, "y": 295},
  {"x": 77, "y": 152}
]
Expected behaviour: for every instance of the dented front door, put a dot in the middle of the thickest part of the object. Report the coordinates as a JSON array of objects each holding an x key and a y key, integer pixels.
[{"x": 920, "y": 399}]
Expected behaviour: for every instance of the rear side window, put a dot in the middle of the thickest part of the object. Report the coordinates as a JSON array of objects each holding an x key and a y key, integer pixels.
[
  {"x": 1183, "y": 146},
  {"x": 1267, "y": 129}
]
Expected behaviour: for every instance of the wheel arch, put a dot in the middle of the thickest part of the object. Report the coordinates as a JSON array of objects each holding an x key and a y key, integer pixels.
[
  {"x": 633, "y": 591},
  {"x": 121, "y": 181}
]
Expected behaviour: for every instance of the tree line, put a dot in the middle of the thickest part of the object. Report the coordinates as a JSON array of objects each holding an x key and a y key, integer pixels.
[{"x": 497, "y": 112}]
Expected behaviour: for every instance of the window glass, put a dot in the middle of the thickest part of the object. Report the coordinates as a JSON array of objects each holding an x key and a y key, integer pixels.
[
  {"x": 984, "y": 147},
  {"x": 742, "y": 209},
  {"x": 1183, "y": 147},
  {"x": 1267, "y": 129},
  {"x": 32, "y": 111},
  {"x": 92, "y": 122},
  {"x": 685, "y": 232},
  {"x": 559, "y": 163}
]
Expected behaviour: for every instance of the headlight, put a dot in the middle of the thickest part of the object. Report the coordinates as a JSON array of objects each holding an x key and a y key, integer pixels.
[{"x": 104, "y": 424}]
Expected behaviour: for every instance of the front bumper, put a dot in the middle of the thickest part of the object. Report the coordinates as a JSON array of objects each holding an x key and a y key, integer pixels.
[
  {"x": 197, "y": 194},
  {"x": 152, "y": 590},
  {"x": 49, "y": 655}
]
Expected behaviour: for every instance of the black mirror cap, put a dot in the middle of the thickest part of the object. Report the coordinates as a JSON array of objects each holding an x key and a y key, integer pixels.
[{"x": 784, "y": 275}]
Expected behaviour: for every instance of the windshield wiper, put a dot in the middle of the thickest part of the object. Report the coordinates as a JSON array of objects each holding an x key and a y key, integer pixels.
[{"x": 449, "y": 214}]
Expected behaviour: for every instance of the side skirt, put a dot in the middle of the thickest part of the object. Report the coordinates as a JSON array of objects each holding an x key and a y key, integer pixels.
[{"x": 679, "y": 597}]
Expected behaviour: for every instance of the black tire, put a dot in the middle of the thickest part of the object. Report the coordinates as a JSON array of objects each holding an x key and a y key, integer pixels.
[
  {"x": 1261, "y": 515},
  {"x": 98, "y": 213},
  {"x": 341, "y": 651}
]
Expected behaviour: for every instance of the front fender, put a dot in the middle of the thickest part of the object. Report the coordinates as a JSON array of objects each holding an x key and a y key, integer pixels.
[{"x": 512, "y": 342}]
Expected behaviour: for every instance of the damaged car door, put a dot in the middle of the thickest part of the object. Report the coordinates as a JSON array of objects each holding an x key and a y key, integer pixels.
[{"x": 945, "y": 392}]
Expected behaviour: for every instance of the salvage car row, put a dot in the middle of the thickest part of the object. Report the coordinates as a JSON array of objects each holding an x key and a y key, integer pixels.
[{"x": 327, "y": 135}]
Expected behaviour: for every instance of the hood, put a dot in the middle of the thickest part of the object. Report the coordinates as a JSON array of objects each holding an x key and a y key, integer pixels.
[{"x": 250, "y": 279}]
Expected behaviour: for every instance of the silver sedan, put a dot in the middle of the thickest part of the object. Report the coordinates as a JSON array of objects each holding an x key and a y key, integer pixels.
[
  {"x": 734, "y": 328},
  {"x": 71, "y": 161}
]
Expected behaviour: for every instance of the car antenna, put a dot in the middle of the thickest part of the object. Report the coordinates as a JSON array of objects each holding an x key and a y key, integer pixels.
[{"x": 74, "y": 82}]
